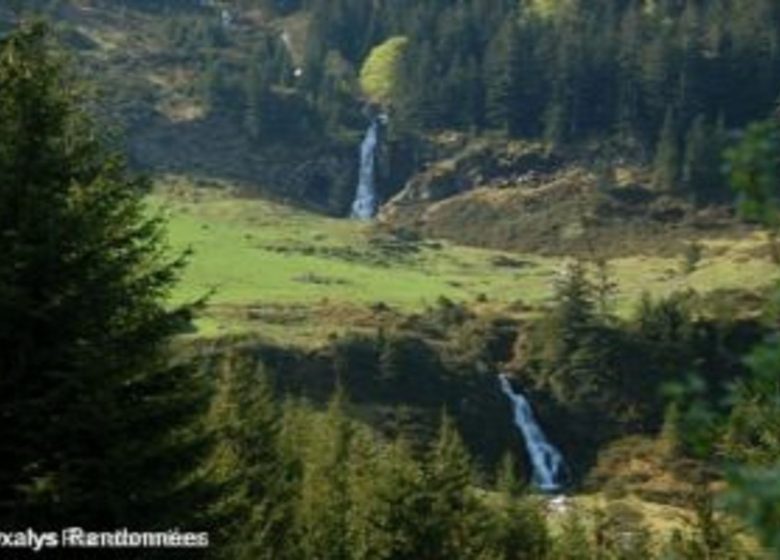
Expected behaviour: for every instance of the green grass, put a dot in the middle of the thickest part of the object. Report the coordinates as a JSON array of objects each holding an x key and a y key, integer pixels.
[
  {"x": 294, "y": 275},
  {"x": 257, "y": 252}
]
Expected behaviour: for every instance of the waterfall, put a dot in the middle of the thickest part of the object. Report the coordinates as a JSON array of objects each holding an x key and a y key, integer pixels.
[
  {"x": 547, "y": 461},
  {"x": 364, "y": 206}
]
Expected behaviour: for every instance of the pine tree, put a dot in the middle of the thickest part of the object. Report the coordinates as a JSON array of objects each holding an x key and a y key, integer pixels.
[
  {"x": 408, "y": 368},
  {"x": 97, "y": 428},
  {"x": 455, "y": 526},
  {"x": 392, "y": 516},
  {"x": 577, "y": 346},
  {"x": 701, "y": 167},
  {"x": 214, "y": 85},
  {"x": 508, "y": 483},
  {"x": 256, "y": 94},
  {"x": 753, "y": 424},
  {"x": 575, "y": 302},
  {"x": 518, "y": 530},
  {"x": 582, "y": 69},
  {"x": 754, "y": 173},
  {"x": 248, "y": 460},
  {"x": 419, "y": 103},
  {"x": 753, "y": 431},
  {"x": 628, "y": 55},
  {"x": 503, "y": 78},
  {"x": 323, "y": 510},
  {"x": 670, "y": 432},
  {"x": 556, "y": 122},
  {"x": 666, "y": 168},
  {"x": 605, "y": 288}
]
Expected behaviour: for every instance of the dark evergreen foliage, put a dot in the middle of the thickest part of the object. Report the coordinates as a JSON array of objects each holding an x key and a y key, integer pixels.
[
  {"x": 628, "y": 71},
  {"x": 591, "y": 66},
  {"x": 97, "y": 427}
]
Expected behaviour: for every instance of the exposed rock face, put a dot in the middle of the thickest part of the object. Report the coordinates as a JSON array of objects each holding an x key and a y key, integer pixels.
[
  {"x": 483, "y": 164},
  {"x": 519, "y": 197},
  {"x": 320, "y": 176}
]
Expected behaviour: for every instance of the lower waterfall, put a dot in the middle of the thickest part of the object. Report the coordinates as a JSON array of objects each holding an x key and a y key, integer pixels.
[{"x": 549, "y": 467}]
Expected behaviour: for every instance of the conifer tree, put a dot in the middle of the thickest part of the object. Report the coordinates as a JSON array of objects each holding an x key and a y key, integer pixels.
[
  {"x": 701, "y": 166},
  {"x": 256, "y": 93},
  {"x": 325, "y": 502},
  {"x": 248, "y": 460},
  {"x": 214, "y": 85},
  {"x": 456, "y": 518},
  {"x": 392, "y": 516},
  {"x": 419, "y": 105},
  {"x": 408, "y": 368},
  {"x": 579, "y": 67},
  {"x": 556, "y": 122},
  {"x": 574, "y": 295},
  {"x": 577, "y": 347},
  {"x": 518, "y": 529},
  {"x": 752, "y": 427},
  {"x": 670, "y": 432},
  {"x": 97, "y": 428},
  {"x": 508, "y": 482},
  {"x": 666, "y": 168},
  {"x": 503, "y": 78}
]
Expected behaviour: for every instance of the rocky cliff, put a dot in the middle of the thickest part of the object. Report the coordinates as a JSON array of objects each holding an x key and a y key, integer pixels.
[{"x": 522, "y": 196}]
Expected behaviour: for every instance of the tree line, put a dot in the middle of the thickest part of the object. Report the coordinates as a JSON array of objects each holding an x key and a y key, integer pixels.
[
  {"x": 666, "y": 81},
  {"x": 567, "y": 69}
]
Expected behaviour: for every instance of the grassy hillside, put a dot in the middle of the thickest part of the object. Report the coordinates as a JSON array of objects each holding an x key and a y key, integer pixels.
[{"x": 301, "y": 276}]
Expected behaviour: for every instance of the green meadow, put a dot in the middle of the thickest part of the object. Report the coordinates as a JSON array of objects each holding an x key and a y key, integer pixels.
[{"x": 297, "y": 276}]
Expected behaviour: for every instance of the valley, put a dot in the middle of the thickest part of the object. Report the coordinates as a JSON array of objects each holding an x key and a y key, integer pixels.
[
  {"x": 340, "y": 280},
  {"x": 298, "y": 276}
]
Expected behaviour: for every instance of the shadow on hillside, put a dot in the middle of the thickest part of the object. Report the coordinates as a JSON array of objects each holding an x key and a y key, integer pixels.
[{"x": 316, "y": 176}]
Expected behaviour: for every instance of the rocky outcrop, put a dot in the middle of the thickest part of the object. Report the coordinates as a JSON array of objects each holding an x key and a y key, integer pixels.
[
  {"x": 484, "y": 163},
  {"x": 519, "y": 197}
]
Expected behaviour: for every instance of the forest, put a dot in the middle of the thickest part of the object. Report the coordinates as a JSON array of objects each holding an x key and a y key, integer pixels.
[
  {"x": 666, "y": 82},
  {"x": 182, "y": 349},
  {"x": 663, "y": 79}
]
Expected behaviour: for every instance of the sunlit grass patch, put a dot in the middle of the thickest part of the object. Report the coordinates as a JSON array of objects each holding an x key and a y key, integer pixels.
[{"x": 251, "y": 253}]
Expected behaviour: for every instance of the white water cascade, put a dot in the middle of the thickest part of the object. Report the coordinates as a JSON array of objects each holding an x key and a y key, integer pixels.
[
  {"x": 548, "y": 465},
  {"x": 364, "y": 206}
]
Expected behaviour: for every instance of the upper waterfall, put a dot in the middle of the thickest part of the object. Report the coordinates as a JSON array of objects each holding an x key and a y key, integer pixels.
[
  {"x": 548, "y": 465},
  {"x": 365, "y": 204}
]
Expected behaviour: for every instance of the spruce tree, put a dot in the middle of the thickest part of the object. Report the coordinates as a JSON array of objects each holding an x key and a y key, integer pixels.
[
  {"x": 508, "y": 482},
  {"x": 577, "y": 346},
  {"x": 556, "y": 122},
  {"x": 502, "y": 77},
  {"x": 323, "y": 510},
  {"x": 575, "y": 303},
  {"x": 257, "y": 506},
  {"x": 518, "y": 529},
  {"x": 97, "y": 428},
  {"x": 701, "y": 167},
  {"x": 666, "y": 168},
  {"x": 256, "y": 94},
  {"x": 214, "y": 85},
  {"x": 670, "y": 436},
  {"x": 456, "y": 523},
  {"x": 393, "y": 510}
]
